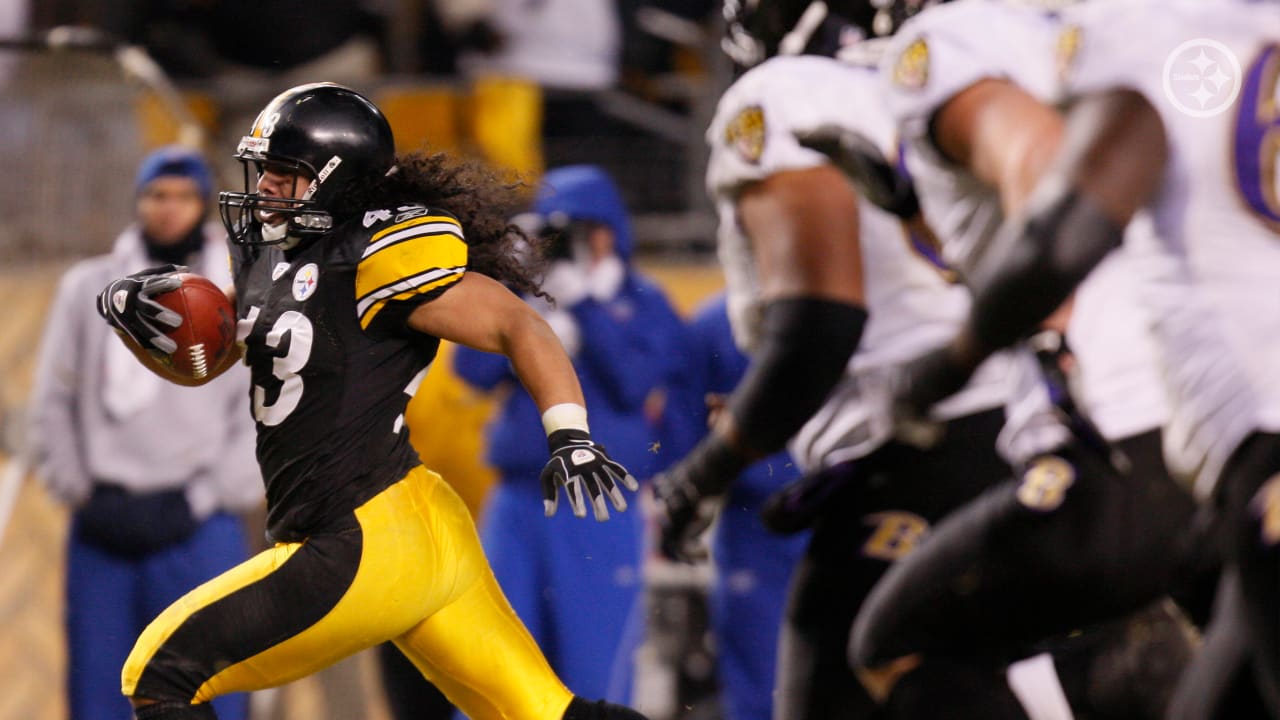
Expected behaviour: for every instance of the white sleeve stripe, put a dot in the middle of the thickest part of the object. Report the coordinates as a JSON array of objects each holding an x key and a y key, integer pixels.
[
  {"x": 412, "y": 232},
  {"x": 409, "y": 283},
  {"x": 412, "y": 388}
]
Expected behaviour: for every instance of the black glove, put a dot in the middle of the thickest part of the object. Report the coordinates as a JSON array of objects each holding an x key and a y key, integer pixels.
[
  {"x": 127, "y": 306},
  {"x": 918, "y": 385},
  {"x": 687, "y": 497},
  {"x": 866, "y": 166},
  {"x": 577, "y": 462}
]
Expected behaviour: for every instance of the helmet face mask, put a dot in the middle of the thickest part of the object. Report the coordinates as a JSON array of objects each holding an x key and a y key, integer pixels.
[
  {"x": 322, "y": 134},
  {"x": 756, "y": 30},
  {"x": 252, "y": 218},
  {"x": 749, "y": 32}
]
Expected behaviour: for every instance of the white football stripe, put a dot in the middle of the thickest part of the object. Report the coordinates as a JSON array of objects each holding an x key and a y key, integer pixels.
[
  {"x": 423, "y": 229},
  {"x": 408, "y": 283}
]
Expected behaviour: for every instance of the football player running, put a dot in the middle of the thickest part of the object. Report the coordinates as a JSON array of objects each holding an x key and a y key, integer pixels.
[
  {"x": 825, "y": 291},
  {"x": 350, "y": 265},
  {"x": 1147, "y": 128}
]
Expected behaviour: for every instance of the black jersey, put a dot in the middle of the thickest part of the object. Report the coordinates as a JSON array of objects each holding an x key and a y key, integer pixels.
[{"x": 332, "y": 360}]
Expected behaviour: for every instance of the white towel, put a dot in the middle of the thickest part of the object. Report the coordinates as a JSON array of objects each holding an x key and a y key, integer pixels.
[{"x": 127, "y": 385}]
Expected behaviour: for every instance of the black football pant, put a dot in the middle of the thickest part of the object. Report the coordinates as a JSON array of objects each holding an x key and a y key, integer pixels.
[
  {"x": 1251, "y": 521},
  {"x": 878, "y": 515},
  {"x": 1220, "y": 684},
  {"x": 1242, "y": 655},
  {"x": 1072, "y": 542}
]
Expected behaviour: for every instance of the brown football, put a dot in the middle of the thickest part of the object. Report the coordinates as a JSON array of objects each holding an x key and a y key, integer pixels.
[{"x": 208, "y": 330}]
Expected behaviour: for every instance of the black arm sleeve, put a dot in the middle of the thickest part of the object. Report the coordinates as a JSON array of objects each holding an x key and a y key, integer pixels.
[
  {"x": 805, "y": 345},
  {"x": 1037, "y": 264}
]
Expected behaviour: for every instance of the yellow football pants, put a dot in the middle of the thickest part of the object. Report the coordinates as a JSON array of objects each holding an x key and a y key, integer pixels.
[{"x": 409, "y": 570}]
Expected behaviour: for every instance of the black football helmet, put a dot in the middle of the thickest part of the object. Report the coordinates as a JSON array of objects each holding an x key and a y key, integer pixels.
[
  {"x": 756, "y": 30},
  {"x": 327, "y": 134}
]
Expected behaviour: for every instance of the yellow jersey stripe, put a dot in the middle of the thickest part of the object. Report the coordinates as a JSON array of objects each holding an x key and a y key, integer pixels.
[
  {"x": 370, "y": 311},
  {"x": 408, "y": 258},
  {"x": 410, "y": 233}
]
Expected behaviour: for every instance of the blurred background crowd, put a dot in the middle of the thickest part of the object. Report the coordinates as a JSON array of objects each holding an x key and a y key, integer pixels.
[
  {"x": 524, "y": 84},
  {"x": 628, "y": 86}
]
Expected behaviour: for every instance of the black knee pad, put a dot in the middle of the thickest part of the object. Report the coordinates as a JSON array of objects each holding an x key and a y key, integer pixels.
[
  {"x": 580, "y": 709},
  {"x": 1128, "y": 669},
  {"x": 175, "y": 711},
  {"x": 1250, "y": 496}
]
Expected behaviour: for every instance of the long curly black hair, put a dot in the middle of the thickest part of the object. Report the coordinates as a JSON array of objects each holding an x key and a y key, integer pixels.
[{"x": 480, "y": 199}]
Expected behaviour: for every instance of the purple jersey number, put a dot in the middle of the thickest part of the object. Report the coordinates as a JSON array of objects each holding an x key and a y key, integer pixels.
[{"x": 1257, "y": 137}]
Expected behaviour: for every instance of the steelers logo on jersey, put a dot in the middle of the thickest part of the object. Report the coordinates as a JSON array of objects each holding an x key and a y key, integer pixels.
[
  {"x": 911, "y": 71},
  {"x": 745, "y": 133},
  {"x": 1045, "y": 484},
  {"x": 304, "y": 281}
]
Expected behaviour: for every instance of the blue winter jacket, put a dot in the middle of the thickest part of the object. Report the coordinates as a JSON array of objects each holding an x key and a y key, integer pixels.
[{"x": 631, "y": 349}]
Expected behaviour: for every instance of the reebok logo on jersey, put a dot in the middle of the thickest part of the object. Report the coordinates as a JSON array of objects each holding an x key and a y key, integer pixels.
[
  {"x": 746, "y": 132},
  {"x": 911, "y": 71},
  {"x": 408, "y": 212}
]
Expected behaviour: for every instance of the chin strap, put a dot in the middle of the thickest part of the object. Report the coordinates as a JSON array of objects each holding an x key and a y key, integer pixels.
[{"x": 279, "y": 233}]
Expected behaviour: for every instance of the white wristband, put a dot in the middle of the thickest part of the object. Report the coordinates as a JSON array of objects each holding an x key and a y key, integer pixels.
[{"x": 565, "y": 416}]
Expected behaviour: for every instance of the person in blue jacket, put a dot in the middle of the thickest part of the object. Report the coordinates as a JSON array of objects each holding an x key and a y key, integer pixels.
[
  {"x": 572, "y": 583},
  {"x": 753, "y": 565}
]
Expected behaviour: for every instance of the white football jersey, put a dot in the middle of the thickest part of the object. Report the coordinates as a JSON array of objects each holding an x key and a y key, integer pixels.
[
  {"x": 911, "y": 305},
  {"x": 1212, "y": 71},
  {"x": 937, "y": 55}
]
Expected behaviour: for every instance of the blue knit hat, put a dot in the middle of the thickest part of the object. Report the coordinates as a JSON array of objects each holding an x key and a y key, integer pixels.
[
  {"x": 175, "y": 160},
  {"x": 586, "y": 192}
]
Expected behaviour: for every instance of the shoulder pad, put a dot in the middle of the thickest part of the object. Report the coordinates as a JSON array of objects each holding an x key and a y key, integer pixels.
[{"x": 411, "y": 252}]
